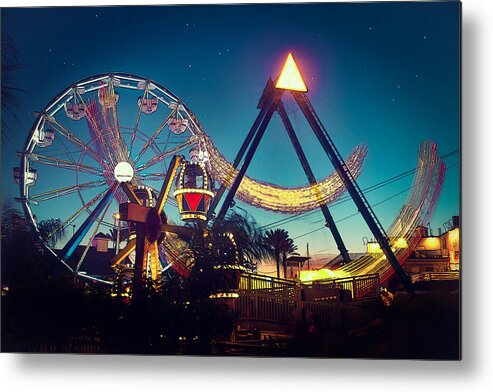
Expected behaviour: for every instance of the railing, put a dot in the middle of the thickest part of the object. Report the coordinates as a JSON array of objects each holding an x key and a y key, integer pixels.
[
  {"x": 263, "y": 298},
  {"x": 361, "y": 287},
  {"x": 435, "y": 276},
  {"x": 322, "y": 313},
  {"x": 258, "y": 282},
  {"x": 269, "y": 306}
]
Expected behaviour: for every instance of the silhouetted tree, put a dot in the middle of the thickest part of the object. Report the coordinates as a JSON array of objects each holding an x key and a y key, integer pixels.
[
  {"x": 10, "y": 65},
  {"x": 52, "y": 231},
  {"x": 280, "y": 247},
  {"x": 248, "y": 237}
]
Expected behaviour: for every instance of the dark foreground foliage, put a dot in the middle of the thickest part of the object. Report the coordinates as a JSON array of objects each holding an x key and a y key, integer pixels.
[
  {"x": 46, "y": 310},
  {"x": 426, "y": 326},
  {"x": 58, "y": 316}
]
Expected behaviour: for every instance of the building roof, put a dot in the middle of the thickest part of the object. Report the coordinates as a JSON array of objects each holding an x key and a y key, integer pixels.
[
  {"x": 102, "y": 235},
  {"x": 95, "y": 263},
  {"x": 295, "y": 261}
]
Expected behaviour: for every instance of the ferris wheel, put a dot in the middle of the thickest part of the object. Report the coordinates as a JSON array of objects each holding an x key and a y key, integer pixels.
[
  {"x": 113, "y": 128},
  {"x": 95, "y": 134}
]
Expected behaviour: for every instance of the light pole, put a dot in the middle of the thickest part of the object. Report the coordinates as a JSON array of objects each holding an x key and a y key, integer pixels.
[{"x": 116, "y": 217}]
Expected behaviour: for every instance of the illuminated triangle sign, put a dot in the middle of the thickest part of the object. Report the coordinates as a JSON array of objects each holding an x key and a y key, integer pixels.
[
  {"x": 290, "y": 77},
  {"x": 193, "y": 200}
]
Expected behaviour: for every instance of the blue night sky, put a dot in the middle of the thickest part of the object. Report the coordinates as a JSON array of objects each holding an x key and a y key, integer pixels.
[{"x": 382, "y": 74}]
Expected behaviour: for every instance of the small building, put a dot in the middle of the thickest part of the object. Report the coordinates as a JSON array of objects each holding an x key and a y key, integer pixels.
[
  {"x": 100, "y": 242},
  {"x": 294, "y": 264},
  {"x": 439, "y": 253}
]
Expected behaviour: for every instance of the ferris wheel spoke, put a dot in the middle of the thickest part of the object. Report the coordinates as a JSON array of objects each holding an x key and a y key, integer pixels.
[
  {"x": 76, "y": 141},
  {"x": 96, "y": 127},
  {"x": 154, "y": 136},
  {"x": 134, "y": 132},
  {"x": 76, "y": 214},
  {"x": 64, "y": 191},
  {"x": 79, "y": 235},
  {"x": 117, "y": 145},
  {"x": 161, "y": 157},
  {"x": 89, "y": 243},
  {"x": 123, "y": 148},
  {"x": 63, "y": 163}
]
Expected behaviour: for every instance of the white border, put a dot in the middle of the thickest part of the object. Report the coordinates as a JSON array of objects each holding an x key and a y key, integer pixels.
[{"x": 474, "y": 373}]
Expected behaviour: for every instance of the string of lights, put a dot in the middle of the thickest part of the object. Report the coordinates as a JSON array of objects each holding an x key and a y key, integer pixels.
[
  {"x": 416, "y": 211},
  {"x": 283, "y": 199},
  {"x": 347, "y": 198},
  {"x": 357, "y": 213}
]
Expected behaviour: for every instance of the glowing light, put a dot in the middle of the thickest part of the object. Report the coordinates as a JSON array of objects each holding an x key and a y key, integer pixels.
[
  {"x": 431, "y": 243},
  {"x": 224, "y": 295},
  {"x": 290, "y": 77},
  {"x": 230, "y": 267},
  {"x": 321, "y": 274},
  {"x": 373, "y": 247},
  {"x": 401, "y": 243},
  {"x": 453, "y": 237},
  {"x": 124, "y": 172},
  {"x": 276, "y": 198}
]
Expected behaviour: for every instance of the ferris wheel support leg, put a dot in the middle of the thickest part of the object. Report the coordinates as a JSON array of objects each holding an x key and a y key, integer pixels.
[
  {"x": 79, "y": 235},
  {"x": 311, "y": 179}
]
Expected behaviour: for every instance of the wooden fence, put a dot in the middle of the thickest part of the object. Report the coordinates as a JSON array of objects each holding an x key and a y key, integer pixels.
[
  {"x": 361, "y": 287},
  {"x": 435, "y": 276}
]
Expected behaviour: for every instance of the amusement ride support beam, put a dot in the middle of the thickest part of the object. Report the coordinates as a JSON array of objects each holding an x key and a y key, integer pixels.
[
  {"x": 352, "y": 187},
  {"x": 140, "y": 254},
  {"x": 146, "y": 235},
  {"x": 175, "y": 163},
  {"x": 272, "y": 101},
  {"x": 79, "y": 235},
  {"x": 241, "y": 152},
  {"x": 140, "y": 242},
  {"x": 329, "y": 220}
]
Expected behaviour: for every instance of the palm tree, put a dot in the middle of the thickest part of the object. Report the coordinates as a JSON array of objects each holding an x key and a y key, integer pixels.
[
  {"x": 248, "y": 237},
  {"x": 280, "y": 247},
  {"x": 52, "y": 231},
  {"x": 10, "y": 65}
]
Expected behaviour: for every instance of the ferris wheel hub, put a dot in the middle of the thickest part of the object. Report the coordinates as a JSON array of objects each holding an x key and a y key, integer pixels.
[{"x": 124, "y": 172}]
